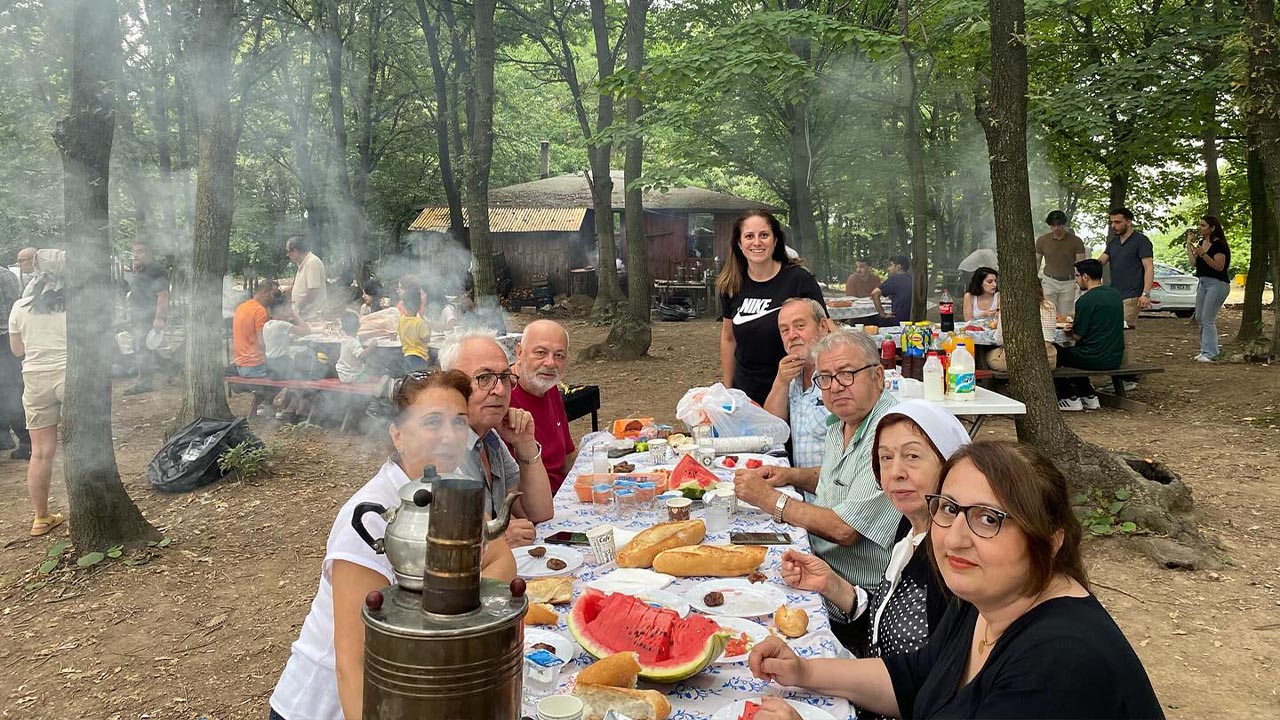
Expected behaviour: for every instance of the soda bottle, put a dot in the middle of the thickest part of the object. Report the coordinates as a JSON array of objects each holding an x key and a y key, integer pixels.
[
  {"x": 960, "y": 379},
  {"x": 934, "y": 387},
  {"x": 888, "y": 354},
  {"x": 946, "y": 308}
]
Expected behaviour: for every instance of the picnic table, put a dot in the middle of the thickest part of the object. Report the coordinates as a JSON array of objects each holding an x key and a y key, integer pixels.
[
  {"x": 700, "y": 696},
  {"x": 976, "y": 411}
]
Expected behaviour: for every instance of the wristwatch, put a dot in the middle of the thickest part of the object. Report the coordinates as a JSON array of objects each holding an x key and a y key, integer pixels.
[
  {"x": 779, "y": 506},
  {"x": 536, "y": 456}
]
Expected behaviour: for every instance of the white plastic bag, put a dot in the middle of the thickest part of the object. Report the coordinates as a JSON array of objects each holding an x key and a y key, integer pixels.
[{"x": 730, "y": 412}]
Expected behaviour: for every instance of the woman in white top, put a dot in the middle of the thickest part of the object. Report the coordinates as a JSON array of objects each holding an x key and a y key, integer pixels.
[
  {"x": 913, "y": 441},
  {"x": 996, "y": 359},
  {"x": 324, "y": 677},
  {"x": 982, "y": 301},
  {"x": 38, "y": 335}
]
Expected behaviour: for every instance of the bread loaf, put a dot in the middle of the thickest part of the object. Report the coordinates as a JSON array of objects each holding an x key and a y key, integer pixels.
[
  {"x": 640, "y": 552},
  {"x": 710, "y": 560},
  {"x": 598, "y": 700},
  {"x": 792, "y": 622},
  {"x": 553, "y": 590},
  {"x": 541, "y": 614},
  {"x": 616, "y": 670}
]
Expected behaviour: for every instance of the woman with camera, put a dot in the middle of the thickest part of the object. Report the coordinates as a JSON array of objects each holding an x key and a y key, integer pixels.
[{"x": 1207, "y": 249}]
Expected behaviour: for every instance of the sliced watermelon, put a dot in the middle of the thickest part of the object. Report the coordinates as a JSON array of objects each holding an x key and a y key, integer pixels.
[
  {"x": 670, "y": 647},
  {"x": 749, "y": 710},
  {"x": 691, "y": 478}
]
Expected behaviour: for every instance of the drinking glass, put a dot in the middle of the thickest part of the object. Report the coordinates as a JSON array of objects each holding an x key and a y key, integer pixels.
[
  {"x": 600, "y": 459},
  {"x": 717, "y": 514}
]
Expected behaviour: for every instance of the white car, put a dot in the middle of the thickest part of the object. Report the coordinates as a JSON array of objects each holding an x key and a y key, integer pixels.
[{"x": 1173, "y": 291}]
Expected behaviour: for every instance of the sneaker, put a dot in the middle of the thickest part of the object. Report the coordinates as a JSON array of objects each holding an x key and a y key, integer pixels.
[
  {"x": 1090, "y": 402},
  {"x": 1070, "y": 405},
  {"x": 1204, "y": 358}
]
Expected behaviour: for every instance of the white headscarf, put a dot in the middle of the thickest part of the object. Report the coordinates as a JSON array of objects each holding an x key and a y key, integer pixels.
[
  {"x": 49, "y": 264},
  {"x": 941, "y": 427}
]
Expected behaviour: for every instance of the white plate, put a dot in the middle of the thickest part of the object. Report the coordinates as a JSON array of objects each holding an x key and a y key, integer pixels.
[
  {"x": 564, "y": 647},
  {"x": 742, "y": 598},
  {"x": 807, "y": 712},
  {"x": 631, "y": 580},
  {"x": 737, "y": 626},
  {"x": 744, "y": 457},
  {"x": 537, "y": 567},
  {"x": 664, "y": 599}
]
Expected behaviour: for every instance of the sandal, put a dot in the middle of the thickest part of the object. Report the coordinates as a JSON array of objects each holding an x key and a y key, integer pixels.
[{"x": 42, "y": 525}]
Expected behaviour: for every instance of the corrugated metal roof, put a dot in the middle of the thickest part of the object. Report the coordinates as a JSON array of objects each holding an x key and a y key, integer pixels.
[{"x": 504, "y": 219}]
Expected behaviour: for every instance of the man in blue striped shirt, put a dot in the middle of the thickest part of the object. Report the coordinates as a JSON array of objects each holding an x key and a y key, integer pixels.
[
  {"x": 851, "y": 523},
  {"x": 802, "y": 322}
]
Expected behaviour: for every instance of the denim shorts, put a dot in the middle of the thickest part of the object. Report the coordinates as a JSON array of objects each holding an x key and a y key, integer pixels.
[{"x": 252, "y": 371}]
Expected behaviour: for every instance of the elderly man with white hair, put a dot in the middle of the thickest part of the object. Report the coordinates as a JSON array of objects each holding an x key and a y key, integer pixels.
[
  {"x": 851, "y": 523},
  {"x": 541, "y": 358},
  {"x": 802, "y": 322},
  {"x": 495, "y": 427}
]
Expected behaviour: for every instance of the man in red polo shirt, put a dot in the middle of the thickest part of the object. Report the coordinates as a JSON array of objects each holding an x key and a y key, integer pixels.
[{"x": 541, "y": 357}]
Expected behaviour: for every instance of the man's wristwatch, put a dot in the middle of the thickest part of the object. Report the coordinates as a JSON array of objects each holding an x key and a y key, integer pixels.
[
  {"x": 536, "y": 456},
  {"x": 779, "y": 506}
]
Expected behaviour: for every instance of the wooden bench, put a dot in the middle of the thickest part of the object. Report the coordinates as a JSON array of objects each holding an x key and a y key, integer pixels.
[
  {"x": 1116, "y": 398},
  {"x": 236, "y": 383}
]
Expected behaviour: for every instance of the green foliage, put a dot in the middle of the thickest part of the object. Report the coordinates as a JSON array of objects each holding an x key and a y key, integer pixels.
[
  {"x": 245, "y": 460},
  {"x": 1099, "y": 512}
]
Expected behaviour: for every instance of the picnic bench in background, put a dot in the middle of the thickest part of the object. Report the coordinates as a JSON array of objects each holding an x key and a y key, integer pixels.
[
  {"x": 1114, "y": 399},
  {"x": 351, "y": 397}
]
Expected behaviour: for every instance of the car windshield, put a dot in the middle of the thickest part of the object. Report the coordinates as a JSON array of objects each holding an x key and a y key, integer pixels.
[{"x": 1163, "y": 270}]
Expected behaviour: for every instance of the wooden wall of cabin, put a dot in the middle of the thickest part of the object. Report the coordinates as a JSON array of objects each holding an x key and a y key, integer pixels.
[{"x": 540, "y": 253}]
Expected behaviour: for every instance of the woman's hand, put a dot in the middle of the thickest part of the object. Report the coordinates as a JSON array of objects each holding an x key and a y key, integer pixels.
[
  {"x": 806, "y": 572},
  {"x": 773, "y": 707},
  {"x": 774, "y": 661}
]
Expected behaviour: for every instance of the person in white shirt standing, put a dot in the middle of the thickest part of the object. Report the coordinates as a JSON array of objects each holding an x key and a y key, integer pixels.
[
  {"x": 802, "y": 322},
  {"x": 308, "y": 293}
]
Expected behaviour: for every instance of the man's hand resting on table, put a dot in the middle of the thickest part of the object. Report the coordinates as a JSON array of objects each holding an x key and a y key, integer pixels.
[
  {"x": 520, "y": 532},
  {"x": 774, "y": 661},
  {"x": 752, "y": 488}
]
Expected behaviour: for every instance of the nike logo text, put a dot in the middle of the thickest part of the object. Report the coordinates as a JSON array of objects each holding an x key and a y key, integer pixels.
[{"x": 753, "y": 309}]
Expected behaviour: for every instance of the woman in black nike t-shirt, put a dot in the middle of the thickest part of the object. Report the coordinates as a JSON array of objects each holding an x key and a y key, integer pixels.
[{"x": 756, "y": 279}]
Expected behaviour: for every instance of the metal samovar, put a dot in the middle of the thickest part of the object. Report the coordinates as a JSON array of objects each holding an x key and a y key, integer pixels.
[{"x": 445, "y": 644}]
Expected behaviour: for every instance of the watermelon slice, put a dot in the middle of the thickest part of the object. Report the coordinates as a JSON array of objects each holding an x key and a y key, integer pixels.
[
  {"x": 670, "y": 647},
  {"x": 749, "y": 710},
  {"x": 691, "y": 478}
]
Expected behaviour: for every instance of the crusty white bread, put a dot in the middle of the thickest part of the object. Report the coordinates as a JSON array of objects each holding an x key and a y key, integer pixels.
[
  {"x": 792, "y": 622},
  {"x": 640, "y": 552},
  {"x": 553, "y": 590},
  {"x": 541, "y": 614},
  {"x": 597, "y": 700},
  {"x": 710, "y": 560},
  {"x": 617, "y": 670}
]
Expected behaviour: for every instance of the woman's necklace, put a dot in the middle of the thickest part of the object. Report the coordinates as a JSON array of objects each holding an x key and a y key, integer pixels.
[{"x": 984, "y": 643}]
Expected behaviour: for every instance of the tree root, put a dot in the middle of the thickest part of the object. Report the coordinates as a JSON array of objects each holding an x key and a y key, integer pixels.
[
  {"x": 1160, "y": 503},
  {"x": 628, "y": 339}
]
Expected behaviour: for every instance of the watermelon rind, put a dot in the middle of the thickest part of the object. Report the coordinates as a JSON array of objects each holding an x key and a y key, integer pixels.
[{"x": 587, "y": 609}]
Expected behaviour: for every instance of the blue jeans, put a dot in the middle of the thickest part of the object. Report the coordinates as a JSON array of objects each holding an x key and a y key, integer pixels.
[
  {"x": 252, "y": 371},
  {"x": 413, "y": 362},
  {"x": 1210, "y": 294}
]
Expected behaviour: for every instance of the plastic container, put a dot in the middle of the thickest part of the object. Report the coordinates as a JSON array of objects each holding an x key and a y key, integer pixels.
[
  {"x": 960, "y": 376},
  {"x": 935, "y": 388},
  {"x": 947, "y": 309},
  {"x": 625, "y": 503},
  {"x": 602, "y": 495},
  {"x": 659, "y": 451}
]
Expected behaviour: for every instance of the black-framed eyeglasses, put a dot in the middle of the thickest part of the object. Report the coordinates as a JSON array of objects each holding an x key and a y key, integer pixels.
[
  {"x": 486, "y": 380},
  {"x": 844, "y": 377},
  {"x": 983, "y": 520}
]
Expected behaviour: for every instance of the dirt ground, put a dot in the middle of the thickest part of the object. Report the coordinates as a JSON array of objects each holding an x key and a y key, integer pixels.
[{"x": 202, "y": 628}]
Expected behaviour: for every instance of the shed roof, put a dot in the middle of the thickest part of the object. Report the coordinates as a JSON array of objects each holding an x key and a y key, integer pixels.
[
  {"x": 573, "y": 191},
  {"x": 508, "y": 219}
]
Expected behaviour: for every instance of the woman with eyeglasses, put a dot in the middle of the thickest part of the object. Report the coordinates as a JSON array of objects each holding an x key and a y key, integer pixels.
[
  {"x": 324, "y": 677},
  {"x": 912, "y": 441},
  {"x": 1024, "y": 637}
]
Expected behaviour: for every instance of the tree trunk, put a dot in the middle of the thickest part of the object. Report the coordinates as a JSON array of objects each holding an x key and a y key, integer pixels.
[
  {"x": 1209, "y": 155},
  {"x": 1263, "y": 94},
  {"x": 1261, "y": 238},
  {"x": 480, "y": 147},
  {"x": 801, "y": 182},
  {"x": 366, "y": 161},
  {"x": 600, "y": 152},
  {"x": 631, "y": 332},
  {"x": 204, "y": 394},
  {"x": 102, "y": 515},
  {"x": 913, "y": 148},
  {"x": 157, "y": 18},
  {"x": 350, "y": 217},
  {"x": 444, "y": 110},
  {"x": 1119, "y": 180},
  {"x": 1090, "y": 469}
]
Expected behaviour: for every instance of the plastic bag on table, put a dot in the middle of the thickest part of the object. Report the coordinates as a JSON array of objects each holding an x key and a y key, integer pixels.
[
  {"x": 189, "y": 458},
  {"x": 730, "y": 412}
]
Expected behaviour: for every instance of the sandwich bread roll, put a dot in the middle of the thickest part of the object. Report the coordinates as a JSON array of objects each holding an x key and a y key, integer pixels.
[
  {"x": 710, "y": 560},
  {"x": 617, "y": 670},
  {"x": 598, "y": 700},
  {"x": 640, "y": 552},
  {"x": 541, "y": 614},
  {"x": 553, "y": 590}
]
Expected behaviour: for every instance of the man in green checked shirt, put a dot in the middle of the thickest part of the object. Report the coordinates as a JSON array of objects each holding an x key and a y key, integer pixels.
[{"x": 851, "y": 523}]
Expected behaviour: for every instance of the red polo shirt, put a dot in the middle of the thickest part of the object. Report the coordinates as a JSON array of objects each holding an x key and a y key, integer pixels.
[{"x": 550, "y": 427}]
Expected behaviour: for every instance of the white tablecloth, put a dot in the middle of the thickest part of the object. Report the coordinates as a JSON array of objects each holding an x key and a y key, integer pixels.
[{"x": 698, "y": 697}]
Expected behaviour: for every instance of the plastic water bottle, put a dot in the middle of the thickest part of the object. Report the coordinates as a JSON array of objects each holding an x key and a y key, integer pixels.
[
  {"x": 960, "y": 380},
  {"x": 946, "y": 308},
  {"x": 934, "y": 381}
]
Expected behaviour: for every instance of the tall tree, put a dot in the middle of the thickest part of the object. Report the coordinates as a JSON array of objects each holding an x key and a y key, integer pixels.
[
  {"x": 480, "y": 145},
  {"x": 351, "y": 232},
  {"x": 913, "y": 146},
  {"x": 102, "y": 515},
  {"x": 1263, "y": 105},
  {"x": 203, "y": 392},
  {"x": 1262, "y": 236},
  {"x": 600, "y": 152},
  {"x": 444, "y": 110},
  {"x": 1003, "y": 113}
]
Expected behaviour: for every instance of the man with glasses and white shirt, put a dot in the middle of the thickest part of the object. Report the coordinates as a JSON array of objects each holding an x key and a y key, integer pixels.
[
  {"x": 495, "y": 426},
  {"x": 851, "y": 523}
]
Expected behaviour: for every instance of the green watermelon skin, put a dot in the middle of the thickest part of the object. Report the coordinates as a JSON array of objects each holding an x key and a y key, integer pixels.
[{"x": 670, "y": 647}]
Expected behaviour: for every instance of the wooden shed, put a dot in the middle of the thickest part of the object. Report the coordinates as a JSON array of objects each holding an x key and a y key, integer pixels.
[{"x": 547, "y": 227}]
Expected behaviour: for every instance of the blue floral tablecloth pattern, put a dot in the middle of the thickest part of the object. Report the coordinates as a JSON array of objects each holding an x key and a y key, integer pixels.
[{"x": 697, "y": 698}]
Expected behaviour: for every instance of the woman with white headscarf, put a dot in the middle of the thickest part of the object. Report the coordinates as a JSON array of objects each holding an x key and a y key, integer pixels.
[
  {"x": 38, "y": 334},
  {"x": 913, "y": 441}
]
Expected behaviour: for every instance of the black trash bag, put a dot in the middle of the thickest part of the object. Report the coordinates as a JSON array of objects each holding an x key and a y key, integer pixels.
[{"x": 189, "y": 458}]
